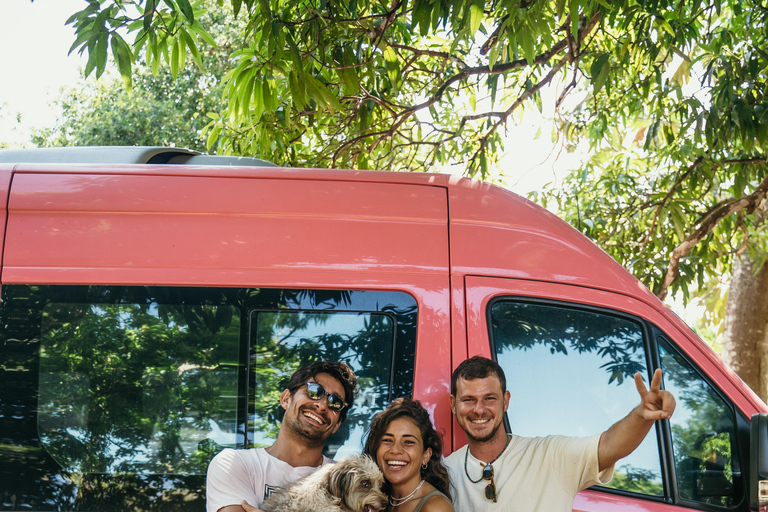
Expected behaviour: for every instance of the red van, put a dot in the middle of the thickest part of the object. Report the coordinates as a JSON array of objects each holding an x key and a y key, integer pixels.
[{"x": 154, "y": 301}]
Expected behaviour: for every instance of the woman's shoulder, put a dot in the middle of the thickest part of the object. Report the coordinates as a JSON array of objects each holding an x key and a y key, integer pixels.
[{"x": 435, "y": 501}]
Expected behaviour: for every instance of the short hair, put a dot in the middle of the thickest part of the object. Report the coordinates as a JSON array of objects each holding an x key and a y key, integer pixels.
[
  {"x": 339, "y": 371},
  {"x": 435, "y": 473},
  {"x": 478, "y": 367}
]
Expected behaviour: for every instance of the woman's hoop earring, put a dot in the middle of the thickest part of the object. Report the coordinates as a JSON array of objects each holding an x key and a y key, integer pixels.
[{"x": 424, "y": 466}]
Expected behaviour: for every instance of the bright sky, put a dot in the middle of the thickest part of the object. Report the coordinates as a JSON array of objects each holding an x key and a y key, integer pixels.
[{"x": 33, "y": 58}]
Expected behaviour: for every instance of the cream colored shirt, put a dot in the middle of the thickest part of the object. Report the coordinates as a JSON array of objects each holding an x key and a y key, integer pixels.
[{"x": 540, "y": 474}]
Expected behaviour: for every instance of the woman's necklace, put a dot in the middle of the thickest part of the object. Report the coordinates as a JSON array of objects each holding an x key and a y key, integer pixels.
[
  {"x": 396, "y": 502},
  {"x": 466, "y": 456}
]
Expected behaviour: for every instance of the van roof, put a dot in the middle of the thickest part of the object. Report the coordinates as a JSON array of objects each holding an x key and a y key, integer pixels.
[{"x": 125, "y": 155}]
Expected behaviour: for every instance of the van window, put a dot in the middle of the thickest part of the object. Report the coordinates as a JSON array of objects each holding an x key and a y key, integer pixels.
[
  {"x": 136, "y": 388},
  {"x": 570, "y": 372},
  {"x": 117, "y": 397},
  {"x": 707, "y": 465},
  {"x": 364, "y": 340}
]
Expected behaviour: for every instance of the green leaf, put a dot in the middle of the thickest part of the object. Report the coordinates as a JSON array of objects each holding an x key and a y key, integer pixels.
[
  {"x": 193, "y": 49},
  {"x": 600, "y": 71},
  {"x": 175, "y": 58},
  {"x": 683, "y": 73},
  {"x": 121, "y": 52},
  {"x": 198, "y": 29},
  {"x": 320, "y": 93},
  {"x": 101, "y": 53},
  {"x": 186, "y": 8},
  {"x": 475, "y": 16},
  {"x": 297, "y": 91},
  {"x": 573, "y": 9},
  {"x": 149, "y": 13},
  {"x": 298, "y": 65}
]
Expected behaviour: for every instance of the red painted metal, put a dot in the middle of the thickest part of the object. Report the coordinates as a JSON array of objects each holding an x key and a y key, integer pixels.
[{"x": 452, "y": 243}]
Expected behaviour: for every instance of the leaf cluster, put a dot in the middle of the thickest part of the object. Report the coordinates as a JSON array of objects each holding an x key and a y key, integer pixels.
[
  {"x": 675, "y": 183},
  {"x": 668, "y": 95}
]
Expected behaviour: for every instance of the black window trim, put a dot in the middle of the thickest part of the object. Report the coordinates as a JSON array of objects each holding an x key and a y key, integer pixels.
[{"x": 664, "y": 434}]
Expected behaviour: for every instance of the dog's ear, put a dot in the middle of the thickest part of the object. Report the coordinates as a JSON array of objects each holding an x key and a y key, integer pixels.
[{"x": 338, "y": 481}]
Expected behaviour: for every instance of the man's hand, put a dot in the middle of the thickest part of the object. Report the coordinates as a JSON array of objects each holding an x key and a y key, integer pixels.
[
  {"x": 249, "y": 508},
  {"x": 656, "y": 404},
  {"x": 626, "y": 434}
]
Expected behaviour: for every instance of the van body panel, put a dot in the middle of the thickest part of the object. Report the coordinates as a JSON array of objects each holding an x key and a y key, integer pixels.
[
  {"x": 448, "y": 266},
  {"x": 206, "y": 224},
  {"x": 520, "y": 239},
  {"x": 595, "y": 501}
]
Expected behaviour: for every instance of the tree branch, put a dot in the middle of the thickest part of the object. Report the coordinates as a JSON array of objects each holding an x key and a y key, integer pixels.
[{"x": 746, "y": 204}]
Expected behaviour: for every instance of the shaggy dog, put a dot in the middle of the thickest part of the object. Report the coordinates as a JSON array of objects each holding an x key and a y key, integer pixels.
[{"x": 350, "y": 485}]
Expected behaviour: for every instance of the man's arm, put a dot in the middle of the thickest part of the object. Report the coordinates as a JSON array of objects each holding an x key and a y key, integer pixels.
[
  {"x": 626, "y": 434},
  {"x": 234, "y": 508},
  {"x": 245, "y": 506}
]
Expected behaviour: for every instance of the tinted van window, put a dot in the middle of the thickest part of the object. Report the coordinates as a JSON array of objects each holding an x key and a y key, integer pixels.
[
  {"x": 570, "y": 372},
  {"x": 707, "y": 466},
  {"x": 116, "y": 398},
  {"x": 136, "y": 388}
]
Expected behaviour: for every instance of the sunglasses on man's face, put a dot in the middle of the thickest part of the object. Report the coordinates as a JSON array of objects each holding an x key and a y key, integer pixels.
[
  {"x": 490, "y": 489},
  {"x": 316, "y": 392}
]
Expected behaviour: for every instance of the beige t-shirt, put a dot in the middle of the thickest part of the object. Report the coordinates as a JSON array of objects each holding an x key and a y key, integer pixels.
[
  {"x": 532, "y": 475},
  {"x": 250, "y": 475}
]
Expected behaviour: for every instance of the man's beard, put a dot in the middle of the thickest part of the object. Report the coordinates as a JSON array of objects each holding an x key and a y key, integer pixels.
[
  {"x": 313, "y": 437},
  {"x": 487, "y": 438}
]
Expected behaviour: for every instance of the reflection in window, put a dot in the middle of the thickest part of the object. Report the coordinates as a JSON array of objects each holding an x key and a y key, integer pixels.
[
  {"x": 703, "y": 435},
  {"x": 288, "y": 340},
  {"x": 570, "y": 372},
  {"x": 137, "y": 388}
]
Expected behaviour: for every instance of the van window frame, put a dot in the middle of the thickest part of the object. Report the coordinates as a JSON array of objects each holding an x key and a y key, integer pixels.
[
  {"x": 650, "y": 333},
  {"x": 23, "y": 305}
]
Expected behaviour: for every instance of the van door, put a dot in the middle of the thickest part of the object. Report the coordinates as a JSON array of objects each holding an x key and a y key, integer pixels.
[
  {"x": 5, "y": 185},
  {"x": 570, "y": 353}
]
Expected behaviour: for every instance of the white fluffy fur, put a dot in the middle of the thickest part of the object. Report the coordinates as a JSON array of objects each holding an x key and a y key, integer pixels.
[{"x": 350, "y": 485}]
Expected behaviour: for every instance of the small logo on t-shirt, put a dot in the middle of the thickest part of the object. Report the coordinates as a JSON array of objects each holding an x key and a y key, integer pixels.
[{"x": 269, "y": 490}]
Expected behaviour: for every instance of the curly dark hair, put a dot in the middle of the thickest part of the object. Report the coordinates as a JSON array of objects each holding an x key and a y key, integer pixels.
[
  {"x": 435, "y": 473},
  {"x": 339, "y": 371}
]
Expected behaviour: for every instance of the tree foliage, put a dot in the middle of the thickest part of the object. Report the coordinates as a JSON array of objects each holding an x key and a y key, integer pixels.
[
  {"x": 162, "y": 107},
  {"x": 669, "y": 96},
  {"x": 676, "y": 181}
]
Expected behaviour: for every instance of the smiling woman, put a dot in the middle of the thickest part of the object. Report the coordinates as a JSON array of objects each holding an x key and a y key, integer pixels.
[{"x": 407, "y": 448}]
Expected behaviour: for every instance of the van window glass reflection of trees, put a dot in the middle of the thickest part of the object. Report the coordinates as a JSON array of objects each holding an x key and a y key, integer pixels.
[
  {"x": 288, "y": 340},
  {"x": 703, "y": 435},
  {"x": 570, "y": 372},
  {"x": 137, "y": 388},
  {"x": 580, "y": 365}
]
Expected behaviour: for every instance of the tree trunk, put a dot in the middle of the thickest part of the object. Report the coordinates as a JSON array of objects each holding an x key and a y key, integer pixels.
[{"x": 745, "y": 342}]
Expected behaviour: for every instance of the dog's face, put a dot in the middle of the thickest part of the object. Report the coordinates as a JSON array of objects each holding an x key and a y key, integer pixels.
[{"x": 357, "y": 483}]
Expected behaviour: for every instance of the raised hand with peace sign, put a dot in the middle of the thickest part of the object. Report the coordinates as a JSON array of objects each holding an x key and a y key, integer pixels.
[{"x": 625, "y": 435}]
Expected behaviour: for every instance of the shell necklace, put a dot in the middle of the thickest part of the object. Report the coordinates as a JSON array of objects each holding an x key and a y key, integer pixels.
[{"x": 396, "y": 502}]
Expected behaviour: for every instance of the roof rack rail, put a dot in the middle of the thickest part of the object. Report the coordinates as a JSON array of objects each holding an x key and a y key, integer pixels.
[{"x": 125, "y": 155}]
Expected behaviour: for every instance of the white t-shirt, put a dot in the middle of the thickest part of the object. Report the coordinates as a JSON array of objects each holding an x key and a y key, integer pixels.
[
  {"x": 533, "y": 474},
  {"x": 250, "y": 475}
]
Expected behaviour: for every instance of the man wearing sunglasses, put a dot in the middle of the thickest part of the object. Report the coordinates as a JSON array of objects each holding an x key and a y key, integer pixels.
[
  {"x": 316, "y": 401},
  {"x": 500, "y": 471}
]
